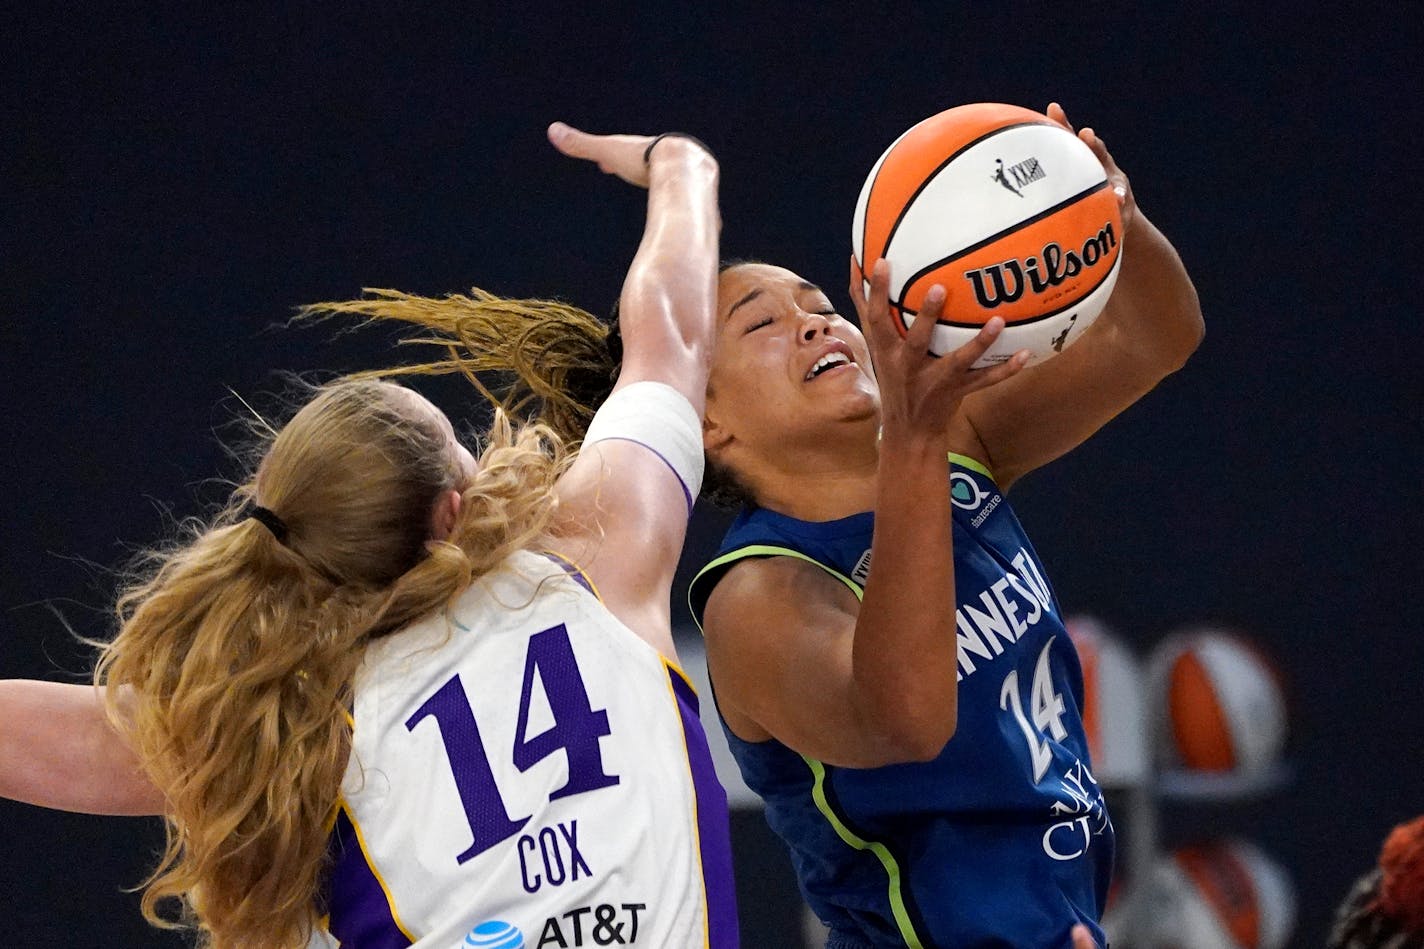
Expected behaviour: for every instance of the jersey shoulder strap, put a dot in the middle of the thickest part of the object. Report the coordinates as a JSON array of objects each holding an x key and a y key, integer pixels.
[{"x": 700, "y": 589}]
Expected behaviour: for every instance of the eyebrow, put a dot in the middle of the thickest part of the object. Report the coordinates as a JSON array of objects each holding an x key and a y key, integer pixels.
[
  {"x": 803, "y": 285},
  {"x": 746, "y": 299}
]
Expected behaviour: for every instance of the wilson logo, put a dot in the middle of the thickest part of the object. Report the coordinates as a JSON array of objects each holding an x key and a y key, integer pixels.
[{"x": 1006, "y": 282}]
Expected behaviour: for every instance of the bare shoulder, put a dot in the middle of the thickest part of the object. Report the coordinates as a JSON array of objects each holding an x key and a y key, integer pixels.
[
  {"x": 767, "y": 618},
  {"x": 761, "y": 588}
]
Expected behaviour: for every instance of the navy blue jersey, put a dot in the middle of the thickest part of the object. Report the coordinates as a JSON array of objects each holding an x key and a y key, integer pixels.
[{"x": 1002, "y": 840}]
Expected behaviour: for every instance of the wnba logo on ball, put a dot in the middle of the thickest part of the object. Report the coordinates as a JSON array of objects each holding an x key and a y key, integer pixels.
[
  {"x": 991, "y": 284},
  {"x": 495, "y": 934}
]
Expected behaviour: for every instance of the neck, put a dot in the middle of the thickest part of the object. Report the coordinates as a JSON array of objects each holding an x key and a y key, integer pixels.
[{"x": 830, "y": 479}]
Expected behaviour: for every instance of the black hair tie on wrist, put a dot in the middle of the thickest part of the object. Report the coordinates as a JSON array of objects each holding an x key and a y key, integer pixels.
[
  {"x": 269, "y": 520},
  {"x": 648, "y": 152}
]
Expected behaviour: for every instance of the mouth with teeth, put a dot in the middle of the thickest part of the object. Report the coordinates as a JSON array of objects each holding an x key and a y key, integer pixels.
[{"x": 826, "y": 363}]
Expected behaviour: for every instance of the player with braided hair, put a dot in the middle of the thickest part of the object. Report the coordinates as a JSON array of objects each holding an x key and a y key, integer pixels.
[{"x": 1385, "y": 907}]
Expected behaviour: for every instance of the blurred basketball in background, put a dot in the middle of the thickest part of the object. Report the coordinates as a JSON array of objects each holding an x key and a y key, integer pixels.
[
  {"x": 1005, "y": 208},
  {"x": 1114, "y": 706},
  {"x": 1225, "y": 894},
  {"x": 1218, "y": 704}
]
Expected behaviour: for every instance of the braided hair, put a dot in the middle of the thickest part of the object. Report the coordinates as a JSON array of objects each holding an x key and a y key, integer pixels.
[
  {"x": 540, "y": 359},
  {"x": 1385, "y": 907}
]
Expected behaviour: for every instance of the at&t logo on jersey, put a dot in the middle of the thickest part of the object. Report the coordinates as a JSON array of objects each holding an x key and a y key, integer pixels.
[
  {"x": 495, "y": 934},
  {"x": 605, "y": 924}
]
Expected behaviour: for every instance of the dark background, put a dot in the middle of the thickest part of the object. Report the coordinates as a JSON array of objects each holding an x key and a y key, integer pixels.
[{"x": 174, "y": 182}]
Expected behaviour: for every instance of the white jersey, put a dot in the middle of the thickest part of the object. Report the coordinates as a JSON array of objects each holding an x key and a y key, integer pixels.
[{"x": 526, "y": 772}]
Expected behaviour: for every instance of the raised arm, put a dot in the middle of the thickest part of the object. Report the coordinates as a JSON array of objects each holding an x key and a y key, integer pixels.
[
  {"x": 58, "y": 750},
  {"x": 622, "y": 496},
  {"x": 796, "y": 657},
  {"x": 1150, "y": 326}
]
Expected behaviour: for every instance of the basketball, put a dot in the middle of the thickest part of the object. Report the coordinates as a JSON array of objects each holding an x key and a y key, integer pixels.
[
  {"x": 1006, "y": 209},
  {"x": 1114, "y": 717},
  {"x": 1220, "y": 706},
  {"x": 1223, "y": 894}
]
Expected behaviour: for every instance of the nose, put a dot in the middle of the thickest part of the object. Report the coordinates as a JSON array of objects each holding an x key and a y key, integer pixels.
[{"x": 813, "y": 325}]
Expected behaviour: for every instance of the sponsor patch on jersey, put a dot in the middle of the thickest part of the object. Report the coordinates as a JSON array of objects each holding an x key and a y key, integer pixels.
[{"x": 495, "y": 934}]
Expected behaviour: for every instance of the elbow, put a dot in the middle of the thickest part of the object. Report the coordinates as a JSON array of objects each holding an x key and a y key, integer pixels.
[
  {"x": 923, "y": 750},
  {"x": 1195, "y": 330},
  {"x": 1170, "y": 348},
  {"x": 909, "y": 738},
  {"x": 1191, "y": 330}
]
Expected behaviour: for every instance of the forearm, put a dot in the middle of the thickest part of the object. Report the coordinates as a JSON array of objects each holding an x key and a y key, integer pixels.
[
  {"x": 1154, "y": 310},
  {"x": 904, "y": 651},
  {"x": 59, "y": 750},
  {"x": 670, "y": 292}
]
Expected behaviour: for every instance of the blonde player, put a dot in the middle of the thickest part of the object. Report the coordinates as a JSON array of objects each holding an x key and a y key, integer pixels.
[{"x": 393, "y": 695}]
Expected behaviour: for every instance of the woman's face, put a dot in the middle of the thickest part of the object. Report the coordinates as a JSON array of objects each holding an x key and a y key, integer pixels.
[{"x": 785, "y": 363}]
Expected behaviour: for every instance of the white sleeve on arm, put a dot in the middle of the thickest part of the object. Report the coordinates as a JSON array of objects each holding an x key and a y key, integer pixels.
[{"x": 659, "y": 418}]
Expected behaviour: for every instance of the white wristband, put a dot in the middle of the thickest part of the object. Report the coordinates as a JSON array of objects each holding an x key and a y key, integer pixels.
[{"x": 658, "y": 417}]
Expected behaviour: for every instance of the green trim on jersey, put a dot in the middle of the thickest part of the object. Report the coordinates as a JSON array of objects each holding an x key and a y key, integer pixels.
[
  {"x": 818, "y": 769},
  {"x": 964, "y": 461},
  {"x": 761, "y": 550},
  {"x": 887, "y": 860}
]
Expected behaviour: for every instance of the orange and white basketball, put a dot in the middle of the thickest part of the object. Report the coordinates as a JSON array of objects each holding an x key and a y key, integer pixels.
[
  {"x": 1219, "y": 704},
  {"x": 1224, "y": 894},
  {"x": 1114, "y": 705},
  {"x": 1006, "y": 209}
]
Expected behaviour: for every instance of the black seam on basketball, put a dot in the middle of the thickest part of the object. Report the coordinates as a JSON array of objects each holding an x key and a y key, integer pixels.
[
  {"x": 1029, "y": 322},
  {"x": 1047, "y": 212},
  {"x": 905, "y": 208}
]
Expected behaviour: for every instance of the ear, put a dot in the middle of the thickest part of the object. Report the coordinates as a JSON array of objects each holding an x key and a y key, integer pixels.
[
  {"x": 715, "y": 436},
  {"x": 444, "y": 513}
]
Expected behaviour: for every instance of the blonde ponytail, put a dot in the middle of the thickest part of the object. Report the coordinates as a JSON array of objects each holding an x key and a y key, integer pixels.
[{"x": 232, "y": 673}]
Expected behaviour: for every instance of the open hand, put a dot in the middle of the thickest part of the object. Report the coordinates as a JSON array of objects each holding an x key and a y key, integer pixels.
[
  {"x": 1127, "y": 204},
  {"x": 918, "y": 390},
  {"x": 626, "y": 156}
]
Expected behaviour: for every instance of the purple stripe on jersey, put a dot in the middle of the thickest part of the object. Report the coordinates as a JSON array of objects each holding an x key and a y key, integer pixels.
[
  {"x": 713, "y": 823},
  {"x": 685, "y": 493},
  {"x": 360, "y": 911},
  {"x": 571, "y": 570}
]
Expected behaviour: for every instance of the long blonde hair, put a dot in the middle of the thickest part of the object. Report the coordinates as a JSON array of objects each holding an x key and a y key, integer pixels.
[
  {"x": 232, "y": 672},
  {"x": 550, "y": 360}
]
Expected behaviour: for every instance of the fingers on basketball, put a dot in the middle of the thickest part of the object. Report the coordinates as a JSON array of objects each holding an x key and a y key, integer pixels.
[
  {"x": 857, "y": 288},
  {"x": 964, "y": 358},
  {"x": 921, "y": 331},
  {"x": 1056, "y": 113},
  {"x": 875, "y": 319}
]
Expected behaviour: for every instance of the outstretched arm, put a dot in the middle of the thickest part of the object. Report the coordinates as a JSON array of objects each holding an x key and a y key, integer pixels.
[
  {"x": 619, "y": 496},
  {"x": 1150, "y": 326},
  {"x": 59, "y": 750},
  {"x": 670, "y": 292}
]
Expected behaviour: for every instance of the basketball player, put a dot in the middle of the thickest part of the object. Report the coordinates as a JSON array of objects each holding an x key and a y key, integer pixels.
[
  {"x": 889, "y": 659},
  {"x": 1385, "y": 907},
  {"x": 396, "y": 696},
  {"x": 841, "y": 700}
]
